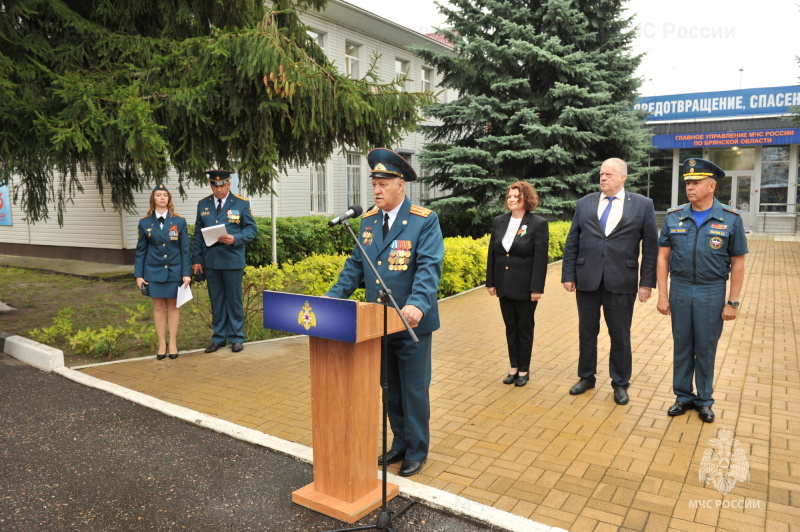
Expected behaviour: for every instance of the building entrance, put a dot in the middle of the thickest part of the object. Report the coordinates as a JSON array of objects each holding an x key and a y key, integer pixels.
[{"x": 736, "y": 189}]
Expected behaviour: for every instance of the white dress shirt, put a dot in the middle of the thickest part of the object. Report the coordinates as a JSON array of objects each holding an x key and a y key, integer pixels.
[{"x": 616, "y": 210}]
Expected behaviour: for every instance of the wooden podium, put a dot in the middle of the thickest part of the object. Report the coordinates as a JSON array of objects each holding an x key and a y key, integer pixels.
[{"x": 345, "y": 348}]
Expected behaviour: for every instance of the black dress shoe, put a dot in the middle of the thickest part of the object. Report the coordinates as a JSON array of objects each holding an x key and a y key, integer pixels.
[
  {"x": 522, "y": 380},
  {"x": 679, "y": 408},
  {"x": 212, "y": 347},
  {"x": 173, "y": 357},
  {"x": 236, "y": 347},
  {"x": 410, "y": 467},
  {"x": 161, "y": 357},
  {"x": 510, "y": 378},
  {"x": 581, "y": 386},
  {"x": 392, "y": 457},
  {"x": 706, "y": 414},
  {"x": 621, "y": 396}
]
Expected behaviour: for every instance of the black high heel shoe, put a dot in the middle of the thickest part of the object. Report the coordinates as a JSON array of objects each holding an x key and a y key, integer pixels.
[
  {"x": 173, "y": 357},
  {"x": 161, "y": 357},
  {"x": 510, "y": 378}
]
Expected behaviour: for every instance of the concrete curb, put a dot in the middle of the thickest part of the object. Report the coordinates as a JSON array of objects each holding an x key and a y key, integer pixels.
[
  {"x": 38, "y": 355},
  {"x": 430, "y": 496}
]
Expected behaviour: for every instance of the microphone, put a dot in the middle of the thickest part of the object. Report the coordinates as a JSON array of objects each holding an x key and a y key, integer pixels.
[{"x": 353, "y": 212}]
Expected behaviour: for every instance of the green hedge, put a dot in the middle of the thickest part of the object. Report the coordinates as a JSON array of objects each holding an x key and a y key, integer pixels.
[{"x": 463, "y": 268}]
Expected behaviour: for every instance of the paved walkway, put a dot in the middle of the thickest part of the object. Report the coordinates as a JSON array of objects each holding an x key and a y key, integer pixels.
[{"x": 575, "y": 462}]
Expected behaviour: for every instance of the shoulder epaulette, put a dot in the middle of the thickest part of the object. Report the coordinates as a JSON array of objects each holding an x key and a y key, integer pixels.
[
  {"x": 678, "y": 208},
  {"x": 370, "y": 212},
  {"x": 241, "y": 198},
  {"x": 730, "y": 209},
  {"x": 176, "y": 215},
  {"x": 420, "y": 211},
  {"x": 207, "y": 197}
]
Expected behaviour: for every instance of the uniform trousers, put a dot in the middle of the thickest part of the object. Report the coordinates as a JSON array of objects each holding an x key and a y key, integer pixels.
[
  {"x": 227, "y": 312},
  {"x": 518, "y": 315},
  {"x": 696, "y": 312},
  {"x": 408, "y": 404},
  {"x": 618, "y": 313}
]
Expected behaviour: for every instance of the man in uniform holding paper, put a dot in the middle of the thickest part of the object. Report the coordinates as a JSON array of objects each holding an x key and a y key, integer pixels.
[{"x": 223, "y": 262}]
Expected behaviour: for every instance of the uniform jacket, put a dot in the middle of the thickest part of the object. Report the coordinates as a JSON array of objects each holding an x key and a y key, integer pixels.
[
  {"x": 702, "y": 254},
  {"x": 162, "y": 254},
  {"x": 414, "y": 277},
  {"x": 590, "y": 255},
  {"x": 239, "y": 222},
  {"x": 522, "y": 269}
]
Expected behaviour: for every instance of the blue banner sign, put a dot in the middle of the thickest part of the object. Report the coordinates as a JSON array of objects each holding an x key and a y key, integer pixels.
[
  {"x": 744, "y": 102},
  {"x": 722, "y": 139},
  {"x": 321, "y": 317},
  {"x": 5, "y": 205}
]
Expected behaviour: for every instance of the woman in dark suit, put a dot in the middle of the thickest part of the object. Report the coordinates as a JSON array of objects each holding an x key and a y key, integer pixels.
[
  {"x": 163, "y": 263},
  {"x": 515, "y": 272}
]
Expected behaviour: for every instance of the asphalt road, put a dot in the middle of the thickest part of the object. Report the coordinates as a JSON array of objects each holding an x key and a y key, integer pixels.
[{"x": 76, "y": 458}]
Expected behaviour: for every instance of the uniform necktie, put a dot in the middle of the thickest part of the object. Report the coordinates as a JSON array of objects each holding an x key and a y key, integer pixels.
[
  {"x": 161, "y": 221},
  {"x": 604, "y": 216},
  {"x": 385, "y": 224},
  {"x": 219, "y": 205}
]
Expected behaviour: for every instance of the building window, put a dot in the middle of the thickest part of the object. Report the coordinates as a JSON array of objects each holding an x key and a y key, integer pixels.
[
  {"x": 353, "y": 179},
  {"x": 427, "y": 79},
  {"x": 401, "y": 68},
  {"x": 352, "y": 53},
  {"x": 657, "y": 184},
  {"x": 317, "y": 37},
  {"x": 319, "y": 189},
  {"x": 774, "y": 179}
]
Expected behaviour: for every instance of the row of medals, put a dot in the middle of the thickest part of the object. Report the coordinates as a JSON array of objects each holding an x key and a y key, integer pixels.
[{"x": 399, "y": 259}]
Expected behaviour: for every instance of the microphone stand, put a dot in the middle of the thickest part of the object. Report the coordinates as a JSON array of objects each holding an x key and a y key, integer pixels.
[{"x": 385, "y": 518}]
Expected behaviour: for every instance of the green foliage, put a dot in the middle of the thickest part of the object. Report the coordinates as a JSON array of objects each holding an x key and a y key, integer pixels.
[
  {"x": 466, "y": 222},
  {"x": 298, "y": 238},
  {"x": 464, "y": 265},
  {"x": 546, "y": 92},
  {"x": 558, "y": 237},
  {"x": 103, "y": 344},
  {"x": 58, "y": 333},
  {"x": 130, "y": 91}
]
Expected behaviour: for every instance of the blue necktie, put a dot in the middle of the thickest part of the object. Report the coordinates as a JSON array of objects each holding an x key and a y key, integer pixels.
[{"x": 604, "y": 216}]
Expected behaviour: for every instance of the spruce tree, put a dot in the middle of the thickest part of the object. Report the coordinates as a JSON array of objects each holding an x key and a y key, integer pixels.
[
  {"x": 546, "y": 91},
  {"x": 128, "y": 91}
]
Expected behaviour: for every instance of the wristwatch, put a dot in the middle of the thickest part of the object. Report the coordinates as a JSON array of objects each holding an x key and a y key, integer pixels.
[{"x": 734, "y": 304}]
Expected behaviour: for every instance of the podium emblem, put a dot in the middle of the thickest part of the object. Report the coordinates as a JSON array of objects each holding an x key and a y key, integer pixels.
[{"x": 307, "y": 318}]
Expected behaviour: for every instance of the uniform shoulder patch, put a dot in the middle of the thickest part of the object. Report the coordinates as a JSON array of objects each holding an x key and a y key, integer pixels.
[
  {"x": 679, "y": 207},
  {"x": 370, "y": 212},
  {"x": 420, "y": 211},
  {"x": 176, "y": 215},
  {"x": 730, "y": 209},
  {"x": 241, "y": 198},
  {"x": 210, "y": 195}
]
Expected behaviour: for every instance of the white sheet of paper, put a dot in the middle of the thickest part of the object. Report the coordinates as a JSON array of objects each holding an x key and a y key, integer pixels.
[
  {"x": 184, "y": 295},
  {"x": 211, "y": 234}
]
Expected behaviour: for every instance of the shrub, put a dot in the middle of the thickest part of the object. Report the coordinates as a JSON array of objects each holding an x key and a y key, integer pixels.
[
  {"x": 558, "y": 237},
  {"x": 464, "y": 265}
]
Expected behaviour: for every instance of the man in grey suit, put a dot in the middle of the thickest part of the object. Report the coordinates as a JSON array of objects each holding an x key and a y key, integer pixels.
[{"x": 601, "y": 264}]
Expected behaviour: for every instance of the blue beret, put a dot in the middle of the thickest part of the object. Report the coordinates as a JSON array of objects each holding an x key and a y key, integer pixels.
[
  {"x": 386, "y": 164},
  {"x": 160, "y": 186}
]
